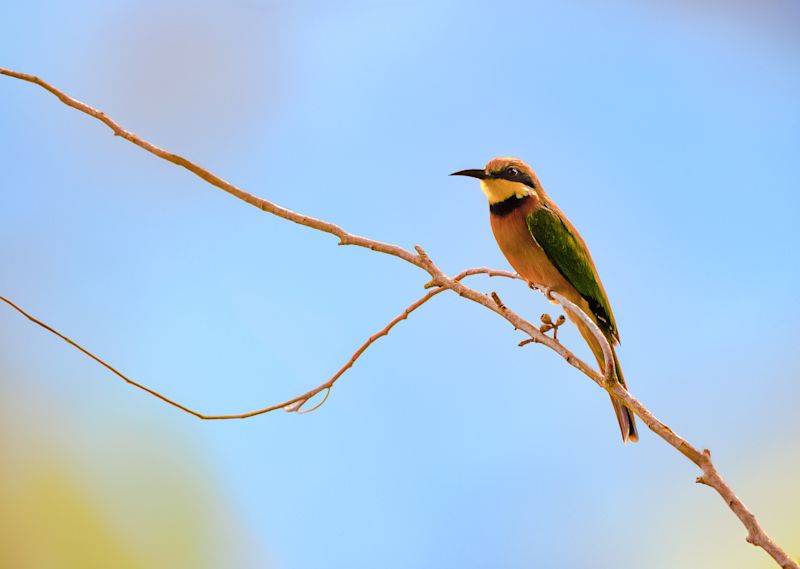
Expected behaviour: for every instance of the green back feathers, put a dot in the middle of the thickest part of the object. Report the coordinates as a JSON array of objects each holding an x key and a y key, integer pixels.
[{"x": 569, "y": 255}]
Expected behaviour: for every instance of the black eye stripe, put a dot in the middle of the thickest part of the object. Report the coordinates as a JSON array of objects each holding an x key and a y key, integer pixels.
[{"x": 520, "y": 177}]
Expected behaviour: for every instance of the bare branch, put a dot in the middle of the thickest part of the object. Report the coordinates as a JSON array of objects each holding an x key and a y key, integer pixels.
[
  {"x": 711, "y": 477},
  {"x": 295, "y": 404},
  {"x": 438, "y": 283},
  {"x": 345, "y": 238},
  {"x": 292, "y": 405}
]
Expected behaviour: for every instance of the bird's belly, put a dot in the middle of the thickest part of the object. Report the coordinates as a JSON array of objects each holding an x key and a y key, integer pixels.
[{"x": 524, "y": 253}]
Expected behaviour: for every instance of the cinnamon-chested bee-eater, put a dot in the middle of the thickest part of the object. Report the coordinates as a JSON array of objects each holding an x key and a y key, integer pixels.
[{"x": 546, "y": 250}]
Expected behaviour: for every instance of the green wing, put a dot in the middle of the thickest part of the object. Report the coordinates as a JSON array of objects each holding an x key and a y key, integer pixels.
[{"x": 569, "y": 255}]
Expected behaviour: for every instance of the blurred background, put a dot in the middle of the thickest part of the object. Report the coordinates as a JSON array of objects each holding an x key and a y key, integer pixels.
[{"x": 668, "y": 132}]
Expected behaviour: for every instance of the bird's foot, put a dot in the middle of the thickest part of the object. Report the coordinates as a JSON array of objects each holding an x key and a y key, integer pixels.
[{"x": 548, "y": 324}]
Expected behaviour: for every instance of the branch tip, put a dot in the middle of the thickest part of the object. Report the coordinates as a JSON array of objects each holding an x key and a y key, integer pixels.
[{"x": 498, "y": 302}]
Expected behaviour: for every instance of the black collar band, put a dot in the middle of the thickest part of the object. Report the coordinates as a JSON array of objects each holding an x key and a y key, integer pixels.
[{"x": 507, "y": 205}]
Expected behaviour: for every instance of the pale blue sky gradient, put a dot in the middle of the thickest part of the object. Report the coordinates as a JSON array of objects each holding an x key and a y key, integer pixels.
[{"x": 667, "y": 132}]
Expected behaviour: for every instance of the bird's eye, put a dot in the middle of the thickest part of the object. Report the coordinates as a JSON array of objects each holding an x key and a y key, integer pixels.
[{"x": 512, "y": 172}]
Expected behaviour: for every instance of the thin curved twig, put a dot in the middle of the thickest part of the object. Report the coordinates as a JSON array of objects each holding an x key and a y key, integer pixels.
[
  {"x": 439, "y": 282},
  {"x": 293, "y": 405},
  {"x": 609, "y": 370}
]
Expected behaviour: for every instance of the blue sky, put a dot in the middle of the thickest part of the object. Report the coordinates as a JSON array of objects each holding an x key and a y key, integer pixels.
[{"x": 668, "y": 132}]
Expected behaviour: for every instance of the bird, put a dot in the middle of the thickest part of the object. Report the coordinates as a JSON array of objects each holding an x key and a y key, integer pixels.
[{"x": 546, "y": 250}]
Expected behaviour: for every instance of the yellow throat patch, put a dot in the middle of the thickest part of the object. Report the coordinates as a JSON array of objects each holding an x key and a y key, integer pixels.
[{"x": 498, "y": 190}]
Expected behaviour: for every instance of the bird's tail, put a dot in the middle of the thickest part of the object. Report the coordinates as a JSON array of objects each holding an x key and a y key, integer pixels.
[{"x": 625, "y": 418}]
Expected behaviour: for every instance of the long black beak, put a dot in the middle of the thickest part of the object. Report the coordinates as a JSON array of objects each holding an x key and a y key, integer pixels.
[{"x": 480, "y": 174}]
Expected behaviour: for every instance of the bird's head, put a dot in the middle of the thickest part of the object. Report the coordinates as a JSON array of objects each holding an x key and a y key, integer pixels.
[{"x": 503, "y": 178}]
